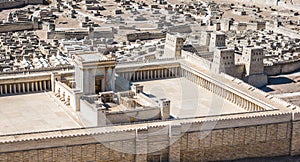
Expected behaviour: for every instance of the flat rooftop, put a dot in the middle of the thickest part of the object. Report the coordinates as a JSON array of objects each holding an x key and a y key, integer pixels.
[
  {"x": 92, "y": 57},
  {"x": 188, "y": 99},
  {"x": 31, "y": 113}
]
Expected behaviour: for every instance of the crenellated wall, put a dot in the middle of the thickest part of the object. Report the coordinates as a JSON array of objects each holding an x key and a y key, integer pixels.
[
  {"x": 221, "y": 138},
  {"x": 269, "y": 128}
]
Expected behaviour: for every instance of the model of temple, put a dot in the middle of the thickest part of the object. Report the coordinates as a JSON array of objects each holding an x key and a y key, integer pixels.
[{"x": 149, "y": 80}]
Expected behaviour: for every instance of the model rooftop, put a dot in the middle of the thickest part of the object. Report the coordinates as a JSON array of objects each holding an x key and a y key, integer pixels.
[{"x": 92, "y": 57}]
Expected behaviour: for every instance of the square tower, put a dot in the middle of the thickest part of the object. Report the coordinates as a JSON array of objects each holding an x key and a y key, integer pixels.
[
  {"x": 217, "y": 39},
  {"x": 253, "y": 59},
  {"x": 254, "y": 66},
  {"x": 223, "y": 60},
  {"x": 173, "y": 46},
  {"x": 205, "y": 38},
  {"x": 94, "y": 73}
]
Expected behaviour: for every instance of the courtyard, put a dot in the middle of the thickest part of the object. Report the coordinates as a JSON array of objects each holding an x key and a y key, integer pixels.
[
  {"x": 188, "y": 99},
  {"x": 31, "y": 113}
]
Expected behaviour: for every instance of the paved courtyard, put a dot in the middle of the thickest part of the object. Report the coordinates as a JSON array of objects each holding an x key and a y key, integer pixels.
[
  {"x": 31, "y": 113},
  {"x": 189, "y": 99}
]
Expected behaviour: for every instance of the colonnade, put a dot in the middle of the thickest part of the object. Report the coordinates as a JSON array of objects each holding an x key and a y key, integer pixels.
[
  {"x": 151, "y": 74},
  {"x": 25, "y": 87},
  {"x": 220, "y": 91}
]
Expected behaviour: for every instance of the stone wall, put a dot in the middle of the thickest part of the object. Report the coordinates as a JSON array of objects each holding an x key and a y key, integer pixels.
[
  {"x": 19, "y": 3},
  {"x": 126, "y": 116},
  {"x": 289, "y": 4},
  {"x": 282, "y": 30},
  {"x": 184, "y": 141},
  {"x": 144, "y": 36},
  {"x": 269, "y": 132},
  {"x": 282, "y": 68},
  {"x": 20, "y": 26},
  {"x": 196, "y": 59}
]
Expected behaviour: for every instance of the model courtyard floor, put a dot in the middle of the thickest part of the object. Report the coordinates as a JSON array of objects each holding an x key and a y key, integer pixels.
[
  {"x": 32, "y": 112},
  {"x": 188, "y": 99}
]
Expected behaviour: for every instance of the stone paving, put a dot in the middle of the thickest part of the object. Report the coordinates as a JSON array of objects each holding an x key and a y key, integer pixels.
[
  {"x": 188, "y": 99},
  {"x": 31, "y": 113}
]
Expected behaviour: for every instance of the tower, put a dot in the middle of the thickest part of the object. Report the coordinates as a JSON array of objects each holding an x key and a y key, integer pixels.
[
  {"x": 205, "y": 38},
  {"x": 165, "y": 108},
  {"x": 223, "y": 60},
  {"x": 254, "y": 66},
  {"x": 94, "y": 73},
  {"x": 173, "y": 46},
  {"x": 217, "y": 39}
]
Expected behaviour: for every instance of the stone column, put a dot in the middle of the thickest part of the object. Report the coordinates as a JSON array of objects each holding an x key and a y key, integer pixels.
[
  {"x": 5, "y": 88},
  {"x": 10, "y": 88},
  {"x": 36, "y": 86},
  {"x": 14, "y": 88},
  {"x": 127, "y": 76},
  {"x": 28, "y": 87},
  {"x": 41, "y": 87},
  {"x": 155, "y": 74},
  {"x": 140, "y": 75},
  {"x": 19, "y": 87},
  {"x": 23, "y": 88},
  {"x": 32, "y": 86},
  {"x": 166, "y": 73},
  {"x": 133, "y": 79},
  {"x": 45, "y": 84},
  {"x": 49, "y": 85},
  {"x": 1, "y": 89},
  {"x": 148, "y": 74}
]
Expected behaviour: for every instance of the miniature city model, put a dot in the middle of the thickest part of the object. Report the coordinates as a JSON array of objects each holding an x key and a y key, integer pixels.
[{"x": 151, "y": 80}]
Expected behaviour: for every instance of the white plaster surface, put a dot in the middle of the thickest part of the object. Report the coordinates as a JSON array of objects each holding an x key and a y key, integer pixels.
[
  {"x": 31, "y": 113},
  {"x": 189, "y": 99}
]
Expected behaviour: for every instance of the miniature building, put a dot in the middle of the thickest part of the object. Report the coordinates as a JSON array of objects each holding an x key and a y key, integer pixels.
[
  {"x": 94, "y": 73},
  {"x": 173, "y": 46},
  {"x": 223, "y": 60},
  {"x": 217, "y": 39},
  {"x": 253, "y": 59},
  {"x": 86, "y": 96}
]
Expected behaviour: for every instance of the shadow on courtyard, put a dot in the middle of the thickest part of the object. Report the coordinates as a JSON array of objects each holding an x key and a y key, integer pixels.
[{"x": 279, "y": 80}]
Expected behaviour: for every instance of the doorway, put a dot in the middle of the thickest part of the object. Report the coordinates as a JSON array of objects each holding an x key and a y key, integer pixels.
[{"x": 98, "y": 84}]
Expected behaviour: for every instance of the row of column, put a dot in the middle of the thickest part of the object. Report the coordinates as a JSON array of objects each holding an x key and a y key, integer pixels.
[
  {"x": 25, "y": 87},
  {"x": 150, "y": 74},
  {"x": 232, "y": 97}
]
